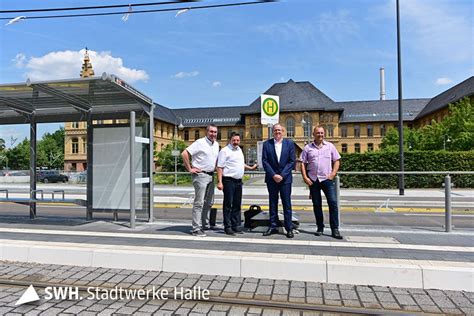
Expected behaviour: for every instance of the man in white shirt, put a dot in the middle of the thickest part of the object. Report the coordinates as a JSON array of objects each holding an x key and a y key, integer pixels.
[
  {"x": 230, "y": 170},
  {"x": 203, "y": 152}
]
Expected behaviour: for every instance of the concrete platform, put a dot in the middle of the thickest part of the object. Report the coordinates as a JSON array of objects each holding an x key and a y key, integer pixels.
[{"x": 367, "y": 256}]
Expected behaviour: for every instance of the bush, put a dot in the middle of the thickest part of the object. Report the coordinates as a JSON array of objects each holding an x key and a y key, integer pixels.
[{"x": 414, "y": 161}]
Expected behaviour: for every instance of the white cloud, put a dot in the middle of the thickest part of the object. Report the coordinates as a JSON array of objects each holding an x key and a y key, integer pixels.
[
  {"x": 182, "y": 74},
  {"x": 443, "y": 81},
  {"x": 216, "y": 84},
  {"x": 19, "y": 60},
  {"x": 330, "y": 26},
  {"x": 67, "y": 64}
]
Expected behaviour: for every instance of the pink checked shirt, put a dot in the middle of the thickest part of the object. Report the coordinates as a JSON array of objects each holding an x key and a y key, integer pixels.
[{"x": 319, "y": 160}]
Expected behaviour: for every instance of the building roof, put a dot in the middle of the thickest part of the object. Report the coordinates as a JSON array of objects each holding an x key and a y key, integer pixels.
[
  {"x": 295, "y": 96},
  {"x": 220, "y": 116},
  {"x": 461, "y": 90},
  {"x": 164, "y": 114},
  {"x": 380, "y": 110}
]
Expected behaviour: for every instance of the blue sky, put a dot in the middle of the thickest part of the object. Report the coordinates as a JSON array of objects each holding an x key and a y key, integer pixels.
[{"x": 229, "y": 56}]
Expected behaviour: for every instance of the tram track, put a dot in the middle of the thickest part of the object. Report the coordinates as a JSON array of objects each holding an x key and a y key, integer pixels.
[{"x": 255, "y": 303}]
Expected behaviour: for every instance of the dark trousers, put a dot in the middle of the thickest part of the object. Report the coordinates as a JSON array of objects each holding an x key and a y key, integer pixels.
[
  {"x": 284, "y": 191},
  {"x": 232, "y": 202},
  {"x": 329, "y": 189}
]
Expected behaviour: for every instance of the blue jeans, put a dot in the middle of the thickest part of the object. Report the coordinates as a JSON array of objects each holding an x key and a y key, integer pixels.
[{"x": 329, "y": 189}]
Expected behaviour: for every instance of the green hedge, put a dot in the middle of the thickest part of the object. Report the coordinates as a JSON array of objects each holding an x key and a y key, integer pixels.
[{"x": 414, "y": 161}]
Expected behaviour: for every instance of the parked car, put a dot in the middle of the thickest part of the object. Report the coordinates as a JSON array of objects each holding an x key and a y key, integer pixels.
[{"x": 47, "y": 176}]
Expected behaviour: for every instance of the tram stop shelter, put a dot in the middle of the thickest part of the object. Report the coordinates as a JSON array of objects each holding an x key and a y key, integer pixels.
[{"x": 119, "y": 156}]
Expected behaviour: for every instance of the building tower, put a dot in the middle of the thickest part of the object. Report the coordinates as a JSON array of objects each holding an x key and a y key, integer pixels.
[{"x": 87, "y": 70}]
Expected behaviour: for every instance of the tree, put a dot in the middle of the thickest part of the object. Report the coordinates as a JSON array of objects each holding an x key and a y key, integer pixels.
[
  {"x": 51, "y": 150},
  {"x": 2, "y": 144},
  {"x": 19, "y": 156},
  {"x": 166, "y": 160},
  {"x": 455, "y": 132}
]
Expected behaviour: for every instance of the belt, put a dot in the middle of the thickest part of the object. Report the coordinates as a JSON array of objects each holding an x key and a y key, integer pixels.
[
  {"x": 231, "y": 179},
  {"x": 211, "y": 173}
]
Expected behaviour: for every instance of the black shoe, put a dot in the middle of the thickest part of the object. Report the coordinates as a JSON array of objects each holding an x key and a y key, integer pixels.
[
  {"x": 319, "y": 232},
  {"x": 270, "y": 231},
  {"x": 237, "y": 230},
  {"x": 336, "y": 234},
  {"x": 229, "y": 231},
  {"x": 290, "y": 234}
]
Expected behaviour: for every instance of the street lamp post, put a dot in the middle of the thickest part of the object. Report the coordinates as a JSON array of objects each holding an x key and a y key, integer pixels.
[
  {"x": 175, "y": 151},
  {"x": 401, "y": 179},
  {"x": 446, "y": 139}
]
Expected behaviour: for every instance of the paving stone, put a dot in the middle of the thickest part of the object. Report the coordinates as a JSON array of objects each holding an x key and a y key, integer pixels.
[
  {"x": 282, "y": 282},
  {"x": 331, "y": 295},
  {"x": 236, "y": 280},
  {"x": 381, "y": 289},
  {"x": 468, "y": 310},
  {"x": 423, "y": 299},
  {"x": 65, "y": 304},
  {"x": 371, "y": 305},
  {"x": 251, "y": 280},
  {"x": 144, "y": 280},
  {"x": 202, "y": 307},
  {"x": 216, "y": 313},
  {"x": 205, "y": 277},
  {"x": 330, "y": 286},
  {"x": 248, "y": 287},
  {"x": 363, "y": 288},
  {"x": 217, "y": 285},
  {"x": 238, "y": 310},
  {"x": 188, "y": 283},
  {"x": 53, "y": 311},
  {"x": 107, "y": 312},
  {"x": 281, "y": 289},
  {"x": 452, "y": 311},
  {"x": 314, "y": 300},
  {"x": 245, "y": 294},
  {"x": 232, "y": 287},
  {"x": 23, "y": 309},
  {"x": 430, "y": 309},
  {"x": 182, "y": 311},
  {"x": 254, "y": 310},
  {"x": 411, "y": 308},
  {"x": 416, "y": 291},
  {"x": 296, "y": 299},
  {"x": 290, "y": 313},
  {"x": 220, "y": 307},
  {"x": 390, "y": 305},
  {"x": 314, "y": 291},
  {"x": 222, "y": 278},
  {"x": 279, "y": 298},
  {"x": 443, "y": 302},
  {"x": 349, "y": 295},
  {"x": 333, "y": 302},
  {"x": 405, "y": 299},
  {"x": 351, "y": 303},
  {"x": 266, "y": 282},
  {"x": 76, "y": 309},
  {"x": 461, "y": 301},
  {"x": 171, "y": 305},
  {"x": 159, "y": 280},
  {"x": 385, "y": 296},
  {"x": 97, "y": 307},
  {"x": 171, "y": 283},
  {"x": 265, "y": 290},
  {"x": 228, "y": 294},
  {"x": 298, "y": 284},
  {"x": 297, "y": 292}
]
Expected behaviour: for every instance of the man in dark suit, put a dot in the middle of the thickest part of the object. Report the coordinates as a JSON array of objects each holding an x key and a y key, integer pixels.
[{"x": 278, "y": 159}]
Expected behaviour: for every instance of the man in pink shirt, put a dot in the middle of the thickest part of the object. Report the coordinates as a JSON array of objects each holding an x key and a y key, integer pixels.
[{"x": 320, "y": 163}]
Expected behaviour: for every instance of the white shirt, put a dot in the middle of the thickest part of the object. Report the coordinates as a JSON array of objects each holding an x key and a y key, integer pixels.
[
  {"x": 232, "y": 161},
  {"x": 204, "y": 154},
  {"x": 278, "y": 146}
]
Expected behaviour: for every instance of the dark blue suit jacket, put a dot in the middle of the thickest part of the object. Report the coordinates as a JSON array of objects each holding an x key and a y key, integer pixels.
[{"x": 271, "y": 164}]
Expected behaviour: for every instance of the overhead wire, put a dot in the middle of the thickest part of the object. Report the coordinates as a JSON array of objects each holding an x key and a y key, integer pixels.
[
  {"x": 99, "y": 6},
  {"x": 140, "y": 11}
]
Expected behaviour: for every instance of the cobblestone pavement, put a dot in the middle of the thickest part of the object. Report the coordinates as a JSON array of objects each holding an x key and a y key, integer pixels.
[{"x": 245, "y": 293}]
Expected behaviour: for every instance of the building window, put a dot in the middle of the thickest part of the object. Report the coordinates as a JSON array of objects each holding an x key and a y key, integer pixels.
[
  {"x": 370, "y": 130},
  {"x": 356, "y": 131},
  {"x": 84, "y": 145},
  {"x": 229, "y": 132},
  {"x": 162, "y": 130},
  {"x": 344, "y": 148},
  {"x": 308, "y": 125},
  {"x": 382, "y": 130},
  {"x": 196, "y": 134},
  {"x": 75, "y": 124},
  {"x": 343, "y": 131},
  {"x": 253, "y": 133},
  {"x": 219, "y": 135},
  {"x": 370, "y": 147},
  {"x": 290, "y": 127},
  {"x": 241, "y": 132},
  {"x": 186, "y": 135},
  {"x": 357, "y": 147},
  {"x": 330, "y": 131},
  {"x": 75, "y": 145},
  {"x": 259, "y": 133}
]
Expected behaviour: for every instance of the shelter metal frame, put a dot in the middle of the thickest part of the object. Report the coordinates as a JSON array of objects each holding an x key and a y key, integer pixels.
[{"x": 85, "y": 99}]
